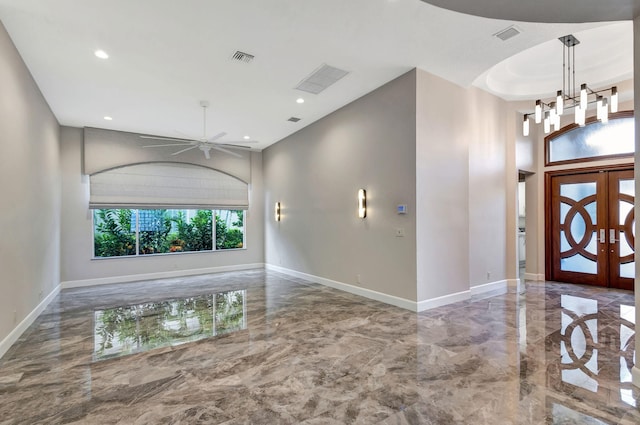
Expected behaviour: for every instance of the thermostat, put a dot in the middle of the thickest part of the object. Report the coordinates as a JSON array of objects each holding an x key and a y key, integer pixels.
[{"x": 402, "y": 209}]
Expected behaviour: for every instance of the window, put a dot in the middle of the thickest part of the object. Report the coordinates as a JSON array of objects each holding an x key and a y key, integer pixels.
[
  {"x": 131, "y": 232},
  {"x": 593, "y": 141}
]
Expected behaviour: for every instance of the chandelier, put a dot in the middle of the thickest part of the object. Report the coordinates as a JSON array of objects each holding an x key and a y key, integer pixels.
[{"x": 569, "y": 98}]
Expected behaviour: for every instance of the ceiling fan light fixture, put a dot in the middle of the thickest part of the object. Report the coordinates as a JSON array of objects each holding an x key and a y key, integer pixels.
[{"x": 101, "y": 54}]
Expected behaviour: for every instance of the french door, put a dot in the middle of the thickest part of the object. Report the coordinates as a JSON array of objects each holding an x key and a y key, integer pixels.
[{"x": 591, "y": 232}]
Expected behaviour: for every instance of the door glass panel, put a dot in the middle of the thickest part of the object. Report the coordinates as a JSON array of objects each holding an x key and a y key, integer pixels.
[
  {"x": 579, "y": 264},
  {"x": 628, "y": 187},
  {"x": 564, "y": 210},
  {"x": 592, "y": 246},
  {"x": 578, "y": 220},
  {"x": 564, "y": 243},
  {"x": 625, "y": 208},
  {"x": 628, "y": 270},
  {"x": 625, "y": 248},
  {"x": 591, "y": 210},
  {"x": 578, "y": 191},
  {"x": 577, "y": 227}
]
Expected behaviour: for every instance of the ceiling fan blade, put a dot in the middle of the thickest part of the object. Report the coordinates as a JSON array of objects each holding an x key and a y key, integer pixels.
[
  {"x": 174, "y": 139},
  {"x": 233, "y": 146},
  {"x": 161, "y": 146},
  {"x": 184, "y": 150},
  {"x": 216, "y": 137},
  {"x": 218, "y": 148}
]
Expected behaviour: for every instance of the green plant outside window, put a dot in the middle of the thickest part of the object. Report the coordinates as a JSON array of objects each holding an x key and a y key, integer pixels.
[{"x": 130, "y": 232}]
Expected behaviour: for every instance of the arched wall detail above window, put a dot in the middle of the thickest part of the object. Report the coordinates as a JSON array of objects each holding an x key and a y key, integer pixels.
[
  {"x": 110, "y": 149},
  {"x": 595, "y": 141}
]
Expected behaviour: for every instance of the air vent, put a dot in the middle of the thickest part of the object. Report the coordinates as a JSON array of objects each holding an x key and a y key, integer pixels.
[
  {"x": 507, "y": 33},
  {"x": 321, "y": 78},
  {"x": 294, "y": 119},
  {"x": 242, "y": 57}
]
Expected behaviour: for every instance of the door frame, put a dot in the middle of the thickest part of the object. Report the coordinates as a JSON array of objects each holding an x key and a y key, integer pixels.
[{"x": 548, "y": 175}]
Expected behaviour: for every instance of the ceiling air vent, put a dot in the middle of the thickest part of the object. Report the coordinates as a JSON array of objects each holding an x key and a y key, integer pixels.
[
  {"x": 294, "y": 119},
  {"x": 321, "y": 78},
  {"x": 507, "y": 33},
  {"x": 242, "y": 57}
]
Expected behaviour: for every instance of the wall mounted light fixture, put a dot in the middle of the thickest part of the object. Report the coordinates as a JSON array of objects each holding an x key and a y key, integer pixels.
[
  {"x": 362, "y": 203},
  {"x": 276, "y": 212}
]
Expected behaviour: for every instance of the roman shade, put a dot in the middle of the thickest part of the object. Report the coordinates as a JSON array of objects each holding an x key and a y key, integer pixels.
[{"x": 167, "y": 185}]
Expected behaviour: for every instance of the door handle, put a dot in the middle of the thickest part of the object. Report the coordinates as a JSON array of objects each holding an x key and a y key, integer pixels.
[
  {"x": 602, "y": 236},
  {"x": 612, "y": 236}
]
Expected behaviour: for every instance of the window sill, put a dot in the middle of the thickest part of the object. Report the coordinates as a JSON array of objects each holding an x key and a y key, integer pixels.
[{"x": 165, "y": 254}]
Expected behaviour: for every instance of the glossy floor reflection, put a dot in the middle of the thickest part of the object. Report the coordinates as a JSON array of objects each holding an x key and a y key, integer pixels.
[
  {"x": 142, "y": 327},
  {"x": 259, "y": 347}
]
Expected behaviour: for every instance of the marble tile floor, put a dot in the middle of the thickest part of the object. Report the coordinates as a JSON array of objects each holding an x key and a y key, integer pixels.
[{"x": 258, "y": 347}]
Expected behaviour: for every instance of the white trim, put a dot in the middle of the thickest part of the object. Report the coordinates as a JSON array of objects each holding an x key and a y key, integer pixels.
[
  {"x": 534, "y": 276},
  {"x": 514, "y": 283},
  {"x": 157, "y": 275},
  {"x": 443, "y": 300},
  {"x": 635, "y": 376},
  {"x": 363, "y": 292},
  {"x": 15, "y": 334},
  {"x": 375, "y": 295},
  {"x": 499, "y": 285}
]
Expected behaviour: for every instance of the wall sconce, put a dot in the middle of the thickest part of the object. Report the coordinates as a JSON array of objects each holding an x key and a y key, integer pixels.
[
  {"x": 277, "y": 211},
  {"x": 362, "y": 203}
]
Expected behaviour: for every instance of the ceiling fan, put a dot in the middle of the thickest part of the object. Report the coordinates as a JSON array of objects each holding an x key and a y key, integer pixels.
[{"x": 204, "y": 144}]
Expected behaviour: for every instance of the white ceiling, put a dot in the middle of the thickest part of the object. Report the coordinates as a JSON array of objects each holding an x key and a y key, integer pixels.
[{"x": 166, "y": 56}]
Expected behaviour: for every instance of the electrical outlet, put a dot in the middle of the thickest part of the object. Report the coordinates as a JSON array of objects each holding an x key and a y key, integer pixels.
[
  {"x": 488, "y": 275},
  {"x": 400, "y": 232},
  {"x": 358, "y": 281},
  {"x": 40, "y": 294}
]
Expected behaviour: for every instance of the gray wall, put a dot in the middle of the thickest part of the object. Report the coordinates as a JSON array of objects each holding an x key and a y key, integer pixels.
[
  {"x": 77, "y": 263},
  {"x": 461, "y": 187},
  {"x": 315, "y": 175},
  {"x": 29, "y": 191},
  {"x": 442, "y": 157}
]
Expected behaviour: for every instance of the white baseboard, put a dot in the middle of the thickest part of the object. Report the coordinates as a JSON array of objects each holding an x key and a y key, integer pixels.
[
  {"x": 13, "y": 336},
  {"x": 375, "y": 295},
  {"x": 158, "y": 275},
  {"x": 443, "y": 300},
  {"x": 499, "y": 286},
  {"x": 534, "y": 276},
  {"x": 357, "y": 290}
]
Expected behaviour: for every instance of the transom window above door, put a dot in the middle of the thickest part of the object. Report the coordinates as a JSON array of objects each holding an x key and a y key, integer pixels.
[{"x": 594, "y": 141}]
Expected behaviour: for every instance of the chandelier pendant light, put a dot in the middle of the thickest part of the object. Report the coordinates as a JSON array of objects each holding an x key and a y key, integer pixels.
[{"x": 569, "y": 98}]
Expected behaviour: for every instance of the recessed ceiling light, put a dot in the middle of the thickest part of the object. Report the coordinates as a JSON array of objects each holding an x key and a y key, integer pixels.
[
  {"x": 300, "y": 100},
  {"x": 108, "y": 118},
  {"x": 101, "y": 54},
  {"x": 246, "y": 137}
]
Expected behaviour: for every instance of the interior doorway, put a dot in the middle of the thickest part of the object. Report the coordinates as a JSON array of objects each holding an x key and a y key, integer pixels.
[
  {"x": 521, "y": 230},
  {"x": 591, "y": 227}
]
